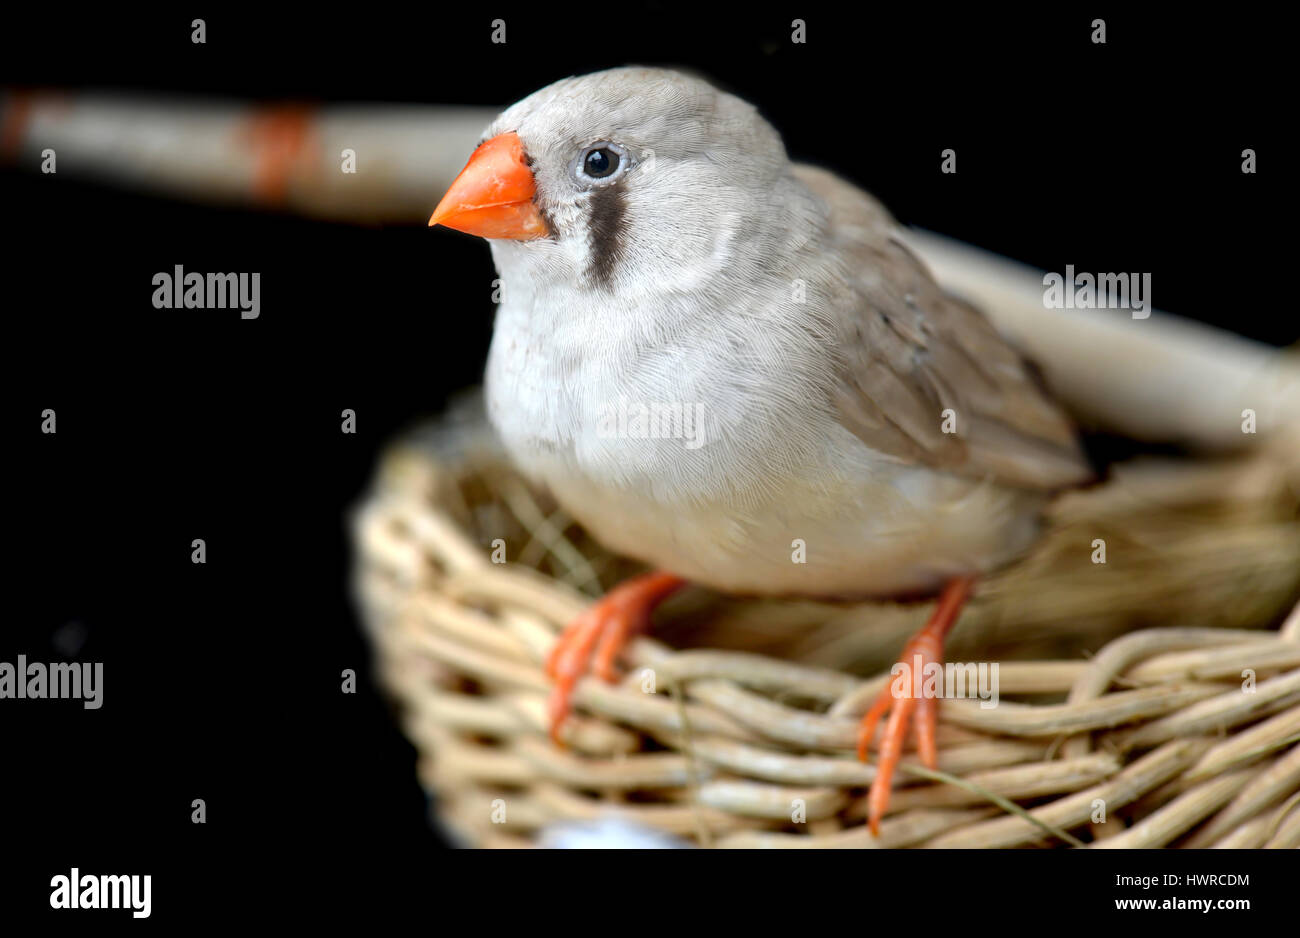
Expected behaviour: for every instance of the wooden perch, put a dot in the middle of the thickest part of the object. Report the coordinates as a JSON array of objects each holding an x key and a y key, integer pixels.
[
  {"x": 1162, "y": 379},
  {"x": 284, "y": 156}
]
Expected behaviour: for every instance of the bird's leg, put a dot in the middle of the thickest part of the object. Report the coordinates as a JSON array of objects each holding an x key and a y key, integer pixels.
[
  {"x": 925, "y": 646},
  {"x": 604, "y": 629}
]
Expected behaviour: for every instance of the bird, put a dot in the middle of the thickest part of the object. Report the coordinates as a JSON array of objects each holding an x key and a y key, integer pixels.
[{"x": 729, "y": 366}]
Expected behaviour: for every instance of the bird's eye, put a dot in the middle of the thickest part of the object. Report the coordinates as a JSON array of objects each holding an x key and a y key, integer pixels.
[{"x": 600, "y": 162}]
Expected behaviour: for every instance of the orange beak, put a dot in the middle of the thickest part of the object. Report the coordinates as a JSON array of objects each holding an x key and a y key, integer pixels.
[{"x": 493, "y": 195}]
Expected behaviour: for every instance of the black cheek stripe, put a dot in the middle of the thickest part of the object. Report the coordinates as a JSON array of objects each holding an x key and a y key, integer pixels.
[{"x": 607, "y": 227}]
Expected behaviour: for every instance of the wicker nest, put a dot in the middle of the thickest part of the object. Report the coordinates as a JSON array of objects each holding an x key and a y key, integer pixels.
[{"x": 1122, "y": 685}]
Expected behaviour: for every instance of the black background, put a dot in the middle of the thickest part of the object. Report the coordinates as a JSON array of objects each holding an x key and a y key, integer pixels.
[{"x": 222, "y": 680}]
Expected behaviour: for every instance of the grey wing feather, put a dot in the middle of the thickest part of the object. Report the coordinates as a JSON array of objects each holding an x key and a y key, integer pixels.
[{"x": 909, "y": 352}]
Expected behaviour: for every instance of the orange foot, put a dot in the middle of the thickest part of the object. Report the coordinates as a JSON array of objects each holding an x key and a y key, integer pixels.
[
  {"x": 928, "y": 644},
  {"x": 604, "y": 628}
]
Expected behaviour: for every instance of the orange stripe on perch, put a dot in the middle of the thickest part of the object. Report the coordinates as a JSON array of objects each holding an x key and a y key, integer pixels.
[
  {"x": 14, "y": 123},
  {"x": 281, "y": 135}
]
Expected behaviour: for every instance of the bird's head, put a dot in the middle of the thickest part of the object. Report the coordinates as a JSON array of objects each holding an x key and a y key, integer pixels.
[{"x": 620, "y": 178}]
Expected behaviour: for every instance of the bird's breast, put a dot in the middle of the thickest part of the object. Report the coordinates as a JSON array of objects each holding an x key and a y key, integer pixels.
[{"x": 686, "y": 413}]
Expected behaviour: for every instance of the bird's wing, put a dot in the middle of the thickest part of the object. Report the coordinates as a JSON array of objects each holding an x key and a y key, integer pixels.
[{"x": 909, "y": 353}]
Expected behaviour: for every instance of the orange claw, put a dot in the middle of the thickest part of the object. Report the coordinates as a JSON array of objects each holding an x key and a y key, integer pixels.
[
  {"x": 605, "y": 628},
  {"x": 928, "y": 645}
]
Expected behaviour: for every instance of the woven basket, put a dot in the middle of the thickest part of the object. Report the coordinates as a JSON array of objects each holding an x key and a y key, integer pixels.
[{"x": 1128, "y": 718}]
